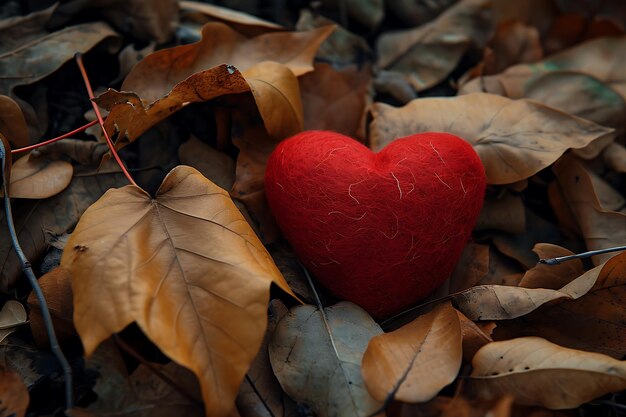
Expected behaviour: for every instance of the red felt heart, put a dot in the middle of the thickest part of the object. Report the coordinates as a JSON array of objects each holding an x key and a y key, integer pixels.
[{"x": 383, "y": 229}]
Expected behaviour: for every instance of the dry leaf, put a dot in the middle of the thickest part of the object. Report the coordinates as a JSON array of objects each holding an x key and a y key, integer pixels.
[
  {"x": 215, "y": 165},
  {"x": 85, "y": 152},
  {"x": 513, "y": 43},
  {"x": 57, "y": 289},
  {"x": 368, "y": 13},
  {"x": 537, "y": 372},
  {"x": 418, "y": 12},
  {"x": 55, "y": 215},
  {"x": 13, "y": 394},
  {"x": 505, "y": 212},
  {"x": 552, "y": 276},
  {"x": 20, "y": 30},
  {"x": 614, "y": 156},
  {"x": 335, "y": 99},
  {"x": 394, "y": 364},
  {"x": 12, "y": 123},
  {"x": 198, "y": 272},
  {"x": 514, "y": 138},
  {"x": 502, "y": 270},
  {"x": 39, "y": 178},
  {"x": 601, "y": 228},
  {"x": 472, "y": 266},
  {"x": 497, "y": 302},
  {"x": 426, "y": 55},
  {"x": 570, "y": 29},
  {"x": 316, "y": 356},
  {"x": 12, "y": 315},
  {"x": 236, "y": 19},
  {"x": 473, "y": 337}
]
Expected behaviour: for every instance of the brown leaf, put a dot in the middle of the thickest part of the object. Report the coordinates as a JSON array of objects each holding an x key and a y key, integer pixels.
[
  {"x": 502, "y": 270},
  {"x": 335, "y": 99},
  {"x": 570, "y": 29},
  {"x": 514, "y": 138},
  {"x": 20, "y": 30},
  {"x": 39, "y": 178},
  {"x": 614, "y": 156},
  {"x": 85, "y": 152},
  {"x": 368, "y": 13},
  {"x": 602, "y": 228},
  {"x": 472, "y": 266},
  {"x": 594, "y": 322},
  {"x": 513, "y": 43},
  {"x": 454, "y": 407},
  {"x": 316, "y": 356},
  {"x": 395, "y": 363},
  {"x": 212, "y": 296},
  {"x": 505, "y": 212},
  {"x": 214, "y": 165},
  {"x": 426, "y": 55},
  {"x": 13, "y": 394},
  {"x": 497, "y": 302},
  {"x": 57, "y": 289},
  {"x": 55, "y": 215},
  {"x": 242, "y": 22},
  {"x": 473, "y": 337},
  {"x": 12, "y": 123},
  {"x": 537, "y": 372},
  {"x": 551, "y": 276}
]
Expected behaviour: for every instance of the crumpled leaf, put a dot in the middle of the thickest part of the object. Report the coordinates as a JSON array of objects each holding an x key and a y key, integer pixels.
[
  {"x": 601, "y": 227},
  {"x": 13, "y": 394},
  {"x": 12, "y": 122},
  {"x": 55, "y": 215},
  {"x": 498, "y": 302},
  {"x": 12, "y": 315},
  {"x": 538, "y": 372},
  {"x": 426, "y": 55},
  {"x": 198, "y": 272},
  {"x": 316, "y": 356},
  {"x": 515, "y": 139},
  {"x": 395, "y": 364},
  {"x": 39, "y": 177}
]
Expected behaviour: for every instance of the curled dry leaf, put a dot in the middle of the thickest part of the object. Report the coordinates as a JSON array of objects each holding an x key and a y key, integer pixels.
[
  {"x": 538, "y": 372},
  {"x": 233, "y": 18},
  {"x": 426, "y": 55},
  {"x": 316, "y": 355},
  {"x": 395, "y": 364},
  {"x": 514, "y": 138},
  {"x": 602, "y": 228},
  {"x": 498, "y": 302},
  {"x": 55, "y": 215},
  {"x": 13, "y": 394},
  {"x": 39, "y": 177},
  {"x": 198, "y": 272},
  {"x": 12, "y": 122},
  {"x": 552, "y": 276},
  {"x": 12, "y": 315}
]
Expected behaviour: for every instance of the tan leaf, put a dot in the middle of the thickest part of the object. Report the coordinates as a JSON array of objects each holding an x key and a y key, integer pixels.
[
  {"x": 13, "y": 394},
  {"x": 602, "y": 228},
  {"x": 335, "y": 99},
  {"x": 537, "y": 372},
  {"x": 12, "y": 315},
  {"x": 228, "y": 15},
  {"x": 615, "y": 157},
  {"x": 39, "y": 177},
  {"x": 12, "y": 123},
  {"x": 426, "y": 55},
  {"x": 514, "y": 138},
  {"x": 316, "y": 356},
  {"x": 394, "y": 364},
  {"x": 198, "y": 272},
  {"x": 497, "y": 302},
  {"x": 552, "y": 276}
]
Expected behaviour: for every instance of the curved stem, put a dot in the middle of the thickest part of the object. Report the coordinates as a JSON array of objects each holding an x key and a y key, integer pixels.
[{"x": 58, "y": 138}]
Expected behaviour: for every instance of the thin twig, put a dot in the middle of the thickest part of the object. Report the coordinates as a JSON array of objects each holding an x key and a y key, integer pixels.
[
  {"x": 28, "y": 271},
  {"x": 558, "y": 260},
  {"x": 48, "y": 142},
  {"x": 79, "y": 61},
  {"x": 169, "y": 381}
]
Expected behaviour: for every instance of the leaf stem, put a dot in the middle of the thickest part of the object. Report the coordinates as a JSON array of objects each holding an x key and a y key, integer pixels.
[
  {"x": 558, "y": 260},
  {"x": 79, "y": 61},
  {"x": 58, "y": 138},
  {"x": 28, "y": 271}
]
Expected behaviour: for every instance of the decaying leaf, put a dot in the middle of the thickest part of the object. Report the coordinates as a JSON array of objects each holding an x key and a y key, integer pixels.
[
  {"x": 514, "y": 138},
  {"x": 498, "y": 302},
  {"x": 234, "y": 18},
  {"x": 395, "y": 364},
  {"x": 12, "y": 123},
  {"x": 474, "y": 337},
  {"x": 13, "y": 394},
  {"x": 601, "y": 227},
  {"x": 537, "y": 372},
  {"x": 316, "y": 356},
  {"x": 198, "y": 272},
  {"x": 39, "y": 177},
  {"x": 426, "y": 55}
]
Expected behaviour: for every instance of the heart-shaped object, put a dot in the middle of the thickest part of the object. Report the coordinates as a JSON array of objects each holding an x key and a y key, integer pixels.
[{"x": 384, "y": 229}]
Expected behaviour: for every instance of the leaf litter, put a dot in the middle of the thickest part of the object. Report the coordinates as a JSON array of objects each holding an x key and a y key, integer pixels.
[{"x": 538, "y": 91}]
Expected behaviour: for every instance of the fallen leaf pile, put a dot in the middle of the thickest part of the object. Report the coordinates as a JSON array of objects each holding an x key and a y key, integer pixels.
[{"x": 179, "y": 296}]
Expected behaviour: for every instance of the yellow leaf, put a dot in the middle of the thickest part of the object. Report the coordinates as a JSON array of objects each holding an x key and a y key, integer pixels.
[
  {"x": 413, "y": 363},
  {"x": 537, "y": 372},
  {"x": 186, "y": 267}
]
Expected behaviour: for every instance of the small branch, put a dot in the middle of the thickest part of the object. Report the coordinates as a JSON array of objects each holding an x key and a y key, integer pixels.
[
  {"x": 48, "y": 142},
  {"x": 558, "y": 260},
  {"x": 28, "y": 271},
  {"x": 79, "y": 61}
]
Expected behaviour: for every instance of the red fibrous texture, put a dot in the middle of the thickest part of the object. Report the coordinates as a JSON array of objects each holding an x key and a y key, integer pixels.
[{"x": 382, "y": 230}]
